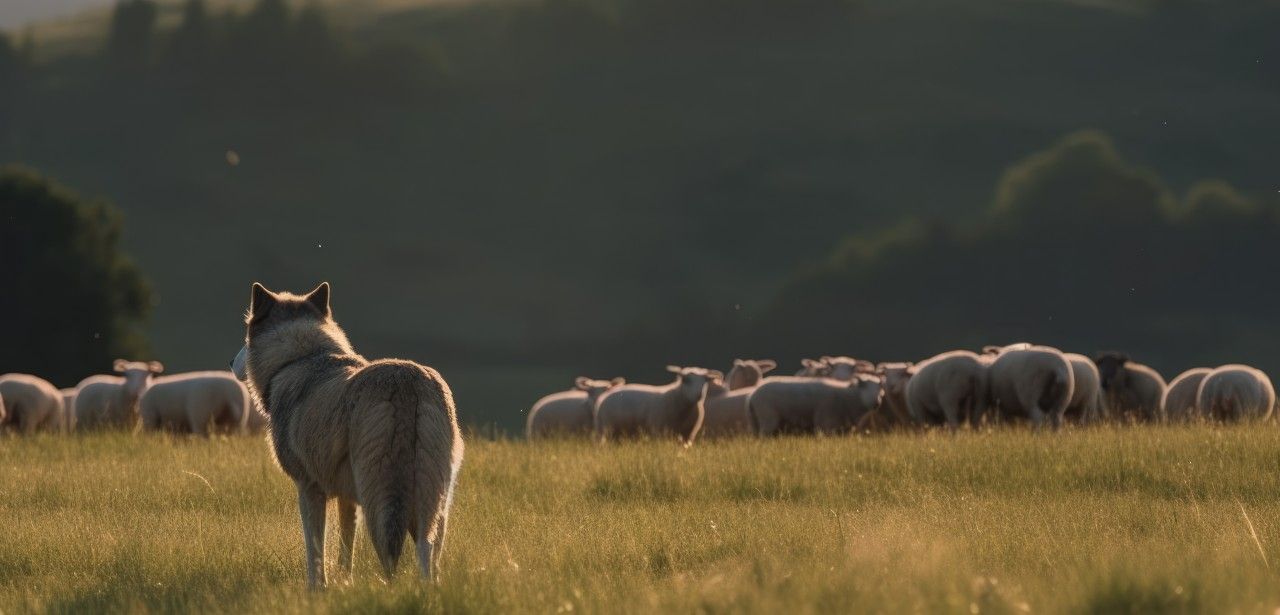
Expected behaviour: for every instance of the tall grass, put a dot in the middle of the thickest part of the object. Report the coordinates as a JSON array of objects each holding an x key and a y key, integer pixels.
[{"x": 1125, "y": 520}]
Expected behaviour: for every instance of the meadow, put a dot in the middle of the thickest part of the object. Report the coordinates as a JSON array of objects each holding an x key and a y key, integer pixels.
[{"x": 1168, "y": 519}]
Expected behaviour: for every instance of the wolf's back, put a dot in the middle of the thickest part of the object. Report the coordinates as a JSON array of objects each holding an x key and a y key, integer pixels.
[{"x": 405, "y": 447}]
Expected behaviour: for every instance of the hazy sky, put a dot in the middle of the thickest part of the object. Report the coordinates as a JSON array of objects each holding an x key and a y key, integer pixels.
[{"x": 16, "y": 13}]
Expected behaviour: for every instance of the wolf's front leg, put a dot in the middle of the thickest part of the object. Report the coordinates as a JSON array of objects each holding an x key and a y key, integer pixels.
[
  {"x": 311, "y": 503},
  {"x": 346, "y": 536}
]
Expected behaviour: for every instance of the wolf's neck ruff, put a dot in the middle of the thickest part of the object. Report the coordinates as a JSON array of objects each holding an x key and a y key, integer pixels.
[{"x": 316, "y": 368}]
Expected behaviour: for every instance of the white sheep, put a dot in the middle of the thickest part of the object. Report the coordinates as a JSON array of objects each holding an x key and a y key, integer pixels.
[
  {"x": 196, "y": 402},
  {"x": 1133, "y": 391},
  {"x": 844, "y": 368},
  {"x": 947, "y": 389},
  {"x": 1180, "y": 397},
  {"x": 1031, "y": 382},
  {"x": 1087, "y": 405},
  {"x": 1234, "y": 393},
  {"x": 748, "y": 373},
  {"x": 30, "y": 403},
  {"x": 811, "y": 368},
  {"x": 568, "y": 413},
  {"x": 112, "y": 401},
  {"x": 725, "y": 412},
  {"x": 638, "y": 410},
  {"x": 813, "y": 405}
]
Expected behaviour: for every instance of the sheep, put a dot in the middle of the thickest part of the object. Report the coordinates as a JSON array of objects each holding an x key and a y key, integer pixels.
[
  {"x": 30, "y": 403},
  {"x": 813, "y": 405},
  {"x": 1234, "y": 393},
  {"x": 725, "y": 411},
  {"x": 1086, "y": 404},
  {"x": 748, "y": 373},
  {"x": 1132, "y": 390},
  {"x": 810, "y": 368},
  {"x": 1179, "y": 401},
  {"x": 69, "y": 408},
  {"x": 568, "y": 413},
  {"x": 947, "y": 389},
  {"x": 112, "y": 401},
  {"x": 844, "y": 368},
  {"x": 893, "y": 409},
  {"x": 197, "y": 403},
  {"x": 633, "y": 410},
  {"x": 1032, "y": 382}
]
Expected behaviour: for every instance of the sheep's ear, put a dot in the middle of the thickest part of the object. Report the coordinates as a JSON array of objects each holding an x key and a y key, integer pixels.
[
  {"x": 119, "y": 365},
  {"x": 319, "y": 298},
  {"x": 582, "y": 383},
  {"x": 618, "y": 382},
  {"x": 260, "y": 302},
  {"x": 155, "y": 367},
  {"x": 766, "y": 365},
  {"x": 675, "y": 369}
]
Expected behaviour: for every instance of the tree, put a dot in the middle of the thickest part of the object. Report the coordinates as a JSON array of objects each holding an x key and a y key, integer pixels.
[
  {"x": 192, "y": 42},
  {"x": 129, "y": 40},
  {"x": 1080, "y": 249},
  {"x": 74, "y": 301}
]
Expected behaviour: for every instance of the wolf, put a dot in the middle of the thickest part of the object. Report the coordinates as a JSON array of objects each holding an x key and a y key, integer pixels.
[{"x": 379, "y": 435}]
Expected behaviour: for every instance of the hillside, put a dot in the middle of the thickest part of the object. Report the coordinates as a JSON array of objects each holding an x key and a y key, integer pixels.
[{"x": 493, "y": 187}]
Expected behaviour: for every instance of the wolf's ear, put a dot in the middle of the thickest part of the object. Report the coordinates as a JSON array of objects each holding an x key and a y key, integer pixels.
[
  {"x": 582, "y": 383},
  {"x": 119, "y": 365},
  {"x": 320, "y": 298},
  {"x": 260, "y": 302},
  {"x": 766, "y": 365}
]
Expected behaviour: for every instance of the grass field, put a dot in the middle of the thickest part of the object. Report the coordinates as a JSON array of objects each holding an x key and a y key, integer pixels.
[{"x": 1129, "y": 520}]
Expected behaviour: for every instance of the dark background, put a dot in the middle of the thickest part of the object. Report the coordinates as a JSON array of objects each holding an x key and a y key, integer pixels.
[{"x": 518, "y": 193}]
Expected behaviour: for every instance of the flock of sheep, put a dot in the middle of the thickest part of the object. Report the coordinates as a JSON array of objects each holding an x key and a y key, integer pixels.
[
  {"x": 200, "y": 403},
  {"x": 1017, "y": 383}
]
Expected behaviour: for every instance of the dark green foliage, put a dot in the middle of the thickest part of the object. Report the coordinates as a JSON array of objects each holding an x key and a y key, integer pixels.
[
  {"x": 73, "y": 302},
  {"x": 131, "y": 35},
  {"x": 1081, "y": 249},
  {"x": 601, "y": 187}
]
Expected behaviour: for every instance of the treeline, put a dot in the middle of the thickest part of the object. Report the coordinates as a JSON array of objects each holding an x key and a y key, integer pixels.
[{"x": 602, "y": 187}]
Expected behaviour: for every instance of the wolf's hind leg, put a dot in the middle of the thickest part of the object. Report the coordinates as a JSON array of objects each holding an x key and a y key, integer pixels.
[
  {"x": 311, "y": 503},
  {"x": 426, "y": 557},
  {"x": 346, "y": 536}
]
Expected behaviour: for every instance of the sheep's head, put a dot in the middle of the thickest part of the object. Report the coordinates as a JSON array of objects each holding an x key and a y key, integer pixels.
[
  {"x": 1111, "y": 369},
  {"x": 693, "y": 381},
  {"x": 137, "y": 375},
  {"x": 895, "y": 377},
  {"x": 813, "y": 369},
  {"x": 747, "y": 373},
  {"x": 595, "y": 388},
  {"x": 844, "y": 368},
  {"x": 869, "y": 388}
]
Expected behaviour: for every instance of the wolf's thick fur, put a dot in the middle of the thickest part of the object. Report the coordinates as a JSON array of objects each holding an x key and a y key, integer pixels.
[{"x": 382, "y": 435}]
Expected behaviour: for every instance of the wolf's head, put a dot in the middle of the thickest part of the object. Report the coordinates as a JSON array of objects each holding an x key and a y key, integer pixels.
[{"x": 282, "y": 328}]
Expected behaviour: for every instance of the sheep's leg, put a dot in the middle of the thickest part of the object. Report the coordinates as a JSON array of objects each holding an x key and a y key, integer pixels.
[
  {"x": 951, "y": 411},
  {"x": 311, "y": 505},
  {"x": 1037, "y": 417},
  {"x": 346, "y": 536}
]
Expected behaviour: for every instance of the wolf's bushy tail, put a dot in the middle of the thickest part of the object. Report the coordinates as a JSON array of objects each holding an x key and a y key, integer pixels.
[{"x": 404, "y": 444}]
